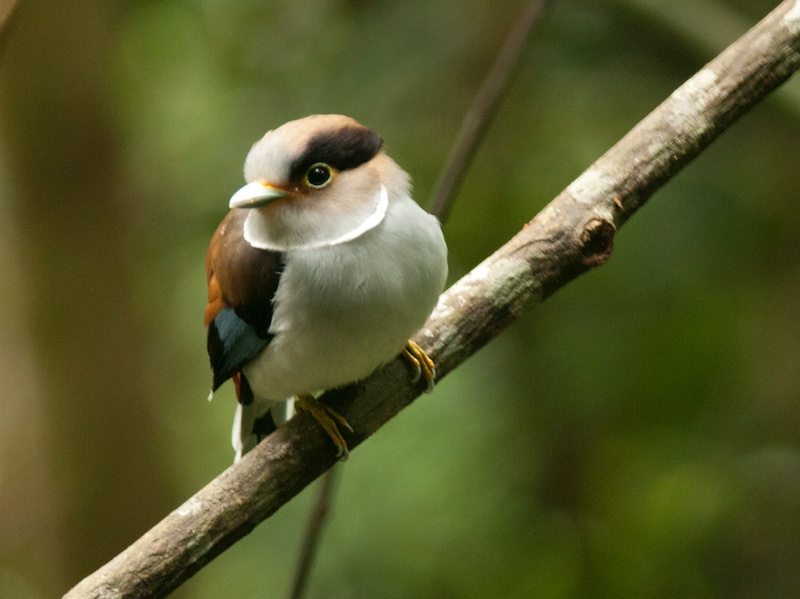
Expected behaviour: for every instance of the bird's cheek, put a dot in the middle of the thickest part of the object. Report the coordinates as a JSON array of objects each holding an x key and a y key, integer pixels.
[{"x": 276, "y": 206}]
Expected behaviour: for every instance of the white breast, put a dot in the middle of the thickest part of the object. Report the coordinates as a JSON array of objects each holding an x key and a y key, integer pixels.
[{"x": 340, "y": 312}]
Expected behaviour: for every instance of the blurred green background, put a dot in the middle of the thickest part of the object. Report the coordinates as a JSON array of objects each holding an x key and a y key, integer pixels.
[{"x": 638, "y": 435}]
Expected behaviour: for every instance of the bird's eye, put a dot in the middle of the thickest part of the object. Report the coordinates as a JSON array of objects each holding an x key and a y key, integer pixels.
[{"x": 318, "y": 175}]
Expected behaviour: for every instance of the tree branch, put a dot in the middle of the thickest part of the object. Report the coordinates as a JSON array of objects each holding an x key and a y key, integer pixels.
[
  {"x": 322, "y": 505},
  {"x": 6, "y": 16},
  {"x": 483, "y": 107},
  {"x": 574, "y": 233}
]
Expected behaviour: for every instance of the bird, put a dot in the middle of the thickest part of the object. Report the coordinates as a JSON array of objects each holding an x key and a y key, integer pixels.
[{"x": 320, "y": 273}]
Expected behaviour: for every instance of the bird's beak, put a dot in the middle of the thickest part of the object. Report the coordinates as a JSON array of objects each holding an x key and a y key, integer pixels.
[{"x": 255, "y": 195}]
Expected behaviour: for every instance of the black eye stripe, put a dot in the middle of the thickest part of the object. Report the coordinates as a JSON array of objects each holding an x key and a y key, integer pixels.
[{"x": 344, "y": 148}]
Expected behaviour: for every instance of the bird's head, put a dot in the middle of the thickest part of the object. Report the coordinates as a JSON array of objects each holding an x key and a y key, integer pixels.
[{"x": 316, "y": 181}]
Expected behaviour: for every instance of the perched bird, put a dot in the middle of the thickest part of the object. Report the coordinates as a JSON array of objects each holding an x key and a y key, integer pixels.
[{"x": 319, "y": 274}]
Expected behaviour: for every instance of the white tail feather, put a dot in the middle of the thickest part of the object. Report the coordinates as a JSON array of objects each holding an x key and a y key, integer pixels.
[
  {"x": 242, "y": 437},
  {"x": 282, "y": 411}
]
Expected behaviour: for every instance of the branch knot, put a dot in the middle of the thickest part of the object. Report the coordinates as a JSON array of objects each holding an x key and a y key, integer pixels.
[{"x": 597, "y": 241}]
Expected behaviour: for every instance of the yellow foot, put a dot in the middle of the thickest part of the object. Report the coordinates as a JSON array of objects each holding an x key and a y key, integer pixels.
[
  {"x": 421, "y": 362},
  {"x": 328, "y": 419}
]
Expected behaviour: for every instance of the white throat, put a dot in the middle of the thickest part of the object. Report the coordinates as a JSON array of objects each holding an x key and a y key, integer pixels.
[{"x": 257, "y": 232}]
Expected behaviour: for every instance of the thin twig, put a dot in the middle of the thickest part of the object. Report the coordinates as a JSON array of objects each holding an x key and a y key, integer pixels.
[
  {"x": 311, "y": 540},
  {"x": 480, "y": 113},
  {"x": 6, "y": 15},
  {"x": 475, "y": 124},
  {"x": 573, "y": 234}
]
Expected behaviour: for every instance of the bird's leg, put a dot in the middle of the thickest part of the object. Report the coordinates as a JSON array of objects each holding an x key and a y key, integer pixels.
[
  {"x": 421, "y": 362},
  {"x": 328, "y": 419}
]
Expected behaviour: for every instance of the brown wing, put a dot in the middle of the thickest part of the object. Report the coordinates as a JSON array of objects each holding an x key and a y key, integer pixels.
[{"x": 242, "y": 281}]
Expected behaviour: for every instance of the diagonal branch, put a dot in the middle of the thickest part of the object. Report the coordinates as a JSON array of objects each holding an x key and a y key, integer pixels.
[
  {"x": 6, "y": 16},
  {"x": 574, "y": 233},
  {"x": 482, "y": 110},
  {"x": 316, "y": 521}
]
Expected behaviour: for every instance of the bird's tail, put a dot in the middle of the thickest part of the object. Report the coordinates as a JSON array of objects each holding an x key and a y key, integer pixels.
[{"x": 255, "y": 420}]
